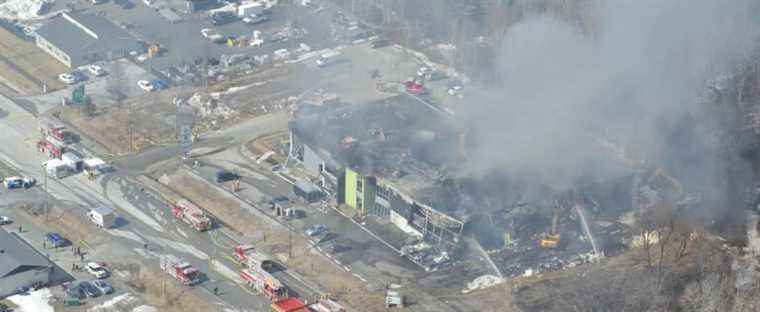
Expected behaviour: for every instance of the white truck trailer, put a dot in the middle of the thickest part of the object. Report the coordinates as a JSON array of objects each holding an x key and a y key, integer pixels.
[{"x": 102, "y": 216}]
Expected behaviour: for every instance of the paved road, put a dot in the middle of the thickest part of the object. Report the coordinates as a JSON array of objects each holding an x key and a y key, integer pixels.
[{"x": 145, "y": 219}]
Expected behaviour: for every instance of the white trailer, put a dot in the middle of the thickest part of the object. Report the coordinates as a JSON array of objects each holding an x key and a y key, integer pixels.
[
  {"x": 102, "y": 217},
  {"x": 56, "y": 168},
  {"x": 73, "y": 161}
]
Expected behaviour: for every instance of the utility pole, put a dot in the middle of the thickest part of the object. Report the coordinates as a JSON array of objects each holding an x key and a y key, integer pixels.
[
  {"x": 290, "y": 241},
  {"x": 45, "y": 200}
]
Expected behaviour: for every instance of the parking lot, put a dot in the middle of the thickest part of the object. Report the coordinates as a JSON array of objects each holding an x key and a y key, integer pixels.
[{"x": 183, "y": 40}]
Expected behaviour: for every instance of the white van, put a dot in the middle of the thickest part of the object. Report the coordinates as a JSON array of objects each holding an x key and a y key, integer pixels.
[
  {"x": 102, "y": 217},
  {"x": 328, "y": 58}
]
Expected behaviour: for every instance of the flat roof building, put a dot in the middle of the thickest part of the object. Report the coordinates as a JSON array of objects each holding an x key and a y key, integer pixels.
[{"x": 81, "y": 39}]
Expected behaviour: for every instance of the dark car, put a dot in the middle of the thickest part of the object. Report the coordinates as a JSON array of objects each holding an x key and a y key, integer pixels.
[
  {"x": 323, "y": 237},
  {"x": 221, "y": 18},
  {"x": 159, "y": 84},
  {"x": 89, "y": 289},
  {"x": 76, "y": 291},
  {"x": 224, "y": 176},
  {"x": 379, "y": 43},
  {"x": 334, "y": 247},
  {"x": 124, "y": 4},
  {"x": 56, "y": 240}
]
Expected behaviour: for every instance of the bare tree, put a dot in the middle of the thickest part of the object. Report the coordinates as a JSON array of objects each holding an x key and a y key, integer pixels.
[{"x": 116, "y": 85}]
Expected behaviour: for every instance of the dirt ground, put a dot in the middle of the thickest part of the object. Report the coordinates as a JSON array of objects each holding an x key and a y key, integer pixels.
[
  {"x": 27, "y": 67},
  {"x": 340, "y": 284}
]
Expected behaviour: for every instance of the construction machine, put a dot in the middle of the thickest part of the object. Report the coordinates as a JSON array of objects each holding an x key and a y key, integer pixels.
[{"x": 551, "y": 239}]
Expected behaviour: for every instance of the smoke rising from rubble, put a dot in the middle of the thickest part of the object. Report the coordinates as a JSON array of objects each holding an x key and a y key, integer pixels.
[{"x": 631, "y": 81}]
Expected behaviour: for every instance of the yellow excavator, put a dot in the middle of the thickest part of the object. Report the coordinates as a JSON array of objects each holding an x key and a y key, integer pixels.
[{"x": 551, "y": 239}]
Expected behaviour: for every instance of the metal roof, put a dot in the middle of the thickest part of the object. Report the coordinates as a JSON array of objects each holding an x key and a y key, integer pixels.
[
  {"x": 83, "y": 35},
  {"x": 17, "y": 253}
]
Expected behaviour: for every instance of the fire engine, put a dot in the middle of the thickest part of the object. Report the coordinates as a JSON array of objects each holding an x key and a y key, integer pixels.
[
  {"x": 192, "y": 215},
  {"x": 263, "y": 282}
]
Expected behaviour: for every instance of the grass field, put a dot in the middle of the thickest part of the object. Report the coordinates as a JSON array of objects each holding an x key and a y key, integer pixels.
[{"x": 25, "y": 68}]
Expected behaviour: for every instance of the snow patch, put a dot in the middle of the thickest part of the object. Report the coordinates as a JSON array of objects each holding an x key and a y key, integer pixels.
[
  {"x": 36, "y": 301},
  {"x": 127, "y": 234},
  {"x": 181, "y": 247},
  {"x": 120, "y": 299},
  {"x": 145, "y": 308},
  {"x": 224, "y": 270},
  {"x": 181, "y": 232}
]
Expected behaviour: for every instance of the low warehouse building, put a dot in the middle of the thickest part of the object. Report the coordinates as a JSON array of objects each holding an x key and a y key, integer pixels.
[
  {"x": 81, "y": 39},
  {"x": 21, "y": 266}
]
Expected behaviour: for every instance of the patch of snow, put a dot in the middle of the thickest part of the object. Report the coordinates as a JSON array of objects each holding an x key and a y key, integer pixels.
[
  {"x": 147, "y": 254},
  {"x": 127, "y": 234},
  {"x": 181, "y": 247},
  {"x": 181, "y": 232},
  {"x": 145, "y": 308},
  {"x": 120, "y": 299},
  {"x": 224, "y": 270},
  {"x": 36, "y": 301}
]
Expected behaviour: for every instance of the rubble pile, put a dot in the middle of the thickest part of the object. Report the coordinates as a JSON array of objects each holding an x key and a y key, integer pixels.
[
  {"x": 22, "y": 9},
  {"x": 482, "y": 282},
  {"x": 208, "y": 106}
]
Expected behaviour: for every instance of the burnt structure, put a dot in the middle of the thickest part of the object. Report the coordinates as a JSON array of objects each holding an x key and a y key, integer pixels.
[{"x": 379, "y": 157}]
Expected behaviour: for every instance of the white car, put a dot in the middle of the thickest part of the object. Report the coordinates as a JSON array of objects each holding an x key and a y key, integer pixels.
[
  {"x": 146, "y": 85},
  {"x": 67, "y": 78},
  {"x": 96, "y": 70},
  {"x": 456, "y": 91},
  {"x": 96, "y": 269},
  {"x": 206, "y": 32},
  {"x": 5, "y": 220},
  {"x": 149, "y": 3}
]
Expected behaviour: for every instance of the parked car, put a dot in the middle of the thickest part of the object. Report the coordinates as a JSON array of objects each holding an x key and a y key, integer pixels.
[
  {"x": 456, "y": 90},
  {"x": 96, "y": 269},
  {"x": 76, "y": 291},
  {"x": 149, "y": 3},
  {"x": 323, "y": 237},
  {"x": 5, "y": 220},
  {"x": 225, "y": 175},
  {"x": 19, "y": 182},
  {"x": 380, "y": 43},
  {"x": 254, "y": 19},
  {"x": 124, "y": 4},
  {"x": 96, "y": 70},
  {"x": 89, "y": 289},
  {"x": 103, "y": 286},
  {"x": 315, "y": 230},
  {"x": 56, "y": 240},
  {"x": 159, "y": 84},
  {"x": 67, "y": 78},
  {"x": 221, "y": 18},
  {"x": 146, "y": 85},
  {"x": 334, "y": 247}
]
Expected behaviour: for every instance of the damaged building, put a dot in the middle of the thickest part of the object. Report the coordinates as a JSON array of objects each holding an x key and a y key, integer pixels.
[
  {"x": 396, "y": 159},
  {"x": 376, "y": 157}
]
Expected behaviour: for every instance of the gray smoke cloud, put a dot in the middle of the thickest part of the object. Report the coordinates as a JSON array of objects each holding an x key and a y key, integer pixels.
[{"x": 640, "y": 71}]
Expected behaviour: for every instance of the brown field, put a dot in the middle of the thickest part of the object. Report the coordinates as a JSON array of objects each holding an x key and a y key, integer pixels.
[{"x": 26, "y": 68}]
